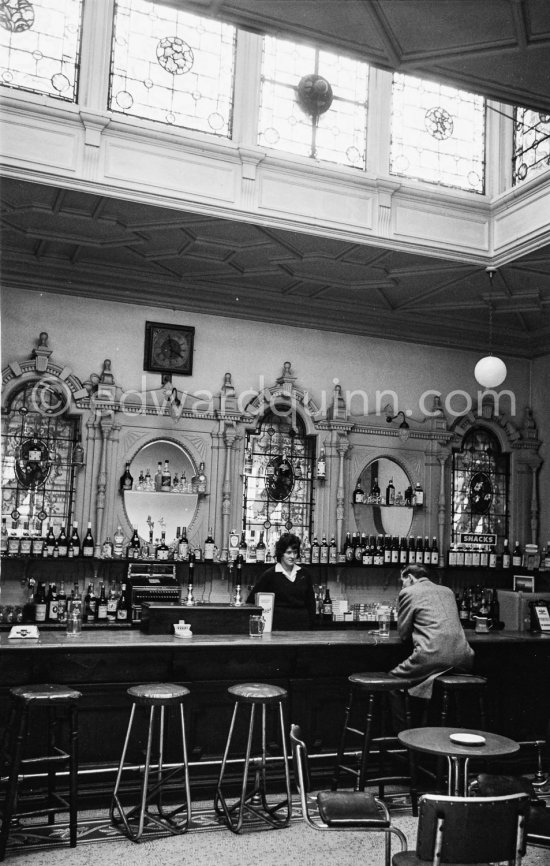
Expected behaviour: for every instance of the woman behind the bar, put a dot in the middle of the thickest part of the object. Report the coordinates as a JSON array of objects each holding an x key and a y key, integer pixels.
[{"x": 294, "y": 607}]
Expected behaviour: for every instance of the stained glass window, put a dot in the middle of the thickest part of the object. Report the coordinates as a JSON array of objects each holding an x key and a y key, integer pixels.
[
  {"x": 39, "y": 46},
  {"x": 172, "y": 67},
  {"x": 38, "y": 461},
  {"x": 480, "y": 486},
  {"x": 278, "y": 478},
  {"x": 531, "y": 143},
  {"x": 313, "y": 103},
  {"x": 437, "y": 134}
]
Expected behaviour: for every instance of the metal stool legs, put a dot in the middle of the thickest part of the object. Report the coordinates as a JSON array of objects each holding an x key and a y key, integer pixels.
[
  {"x": 152, "y": 789},
  {"x": 253, "y": 798}
]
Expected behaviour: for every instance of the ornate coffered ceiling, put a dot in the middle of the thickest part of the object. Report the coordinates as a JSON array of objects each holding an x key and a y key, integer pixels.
[{"x": 72, "y": 242}]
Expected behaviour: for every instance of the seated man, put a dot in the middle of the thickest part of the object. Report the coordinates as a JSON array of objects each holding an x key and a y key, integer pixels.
[{"x": 427, "y": 614}]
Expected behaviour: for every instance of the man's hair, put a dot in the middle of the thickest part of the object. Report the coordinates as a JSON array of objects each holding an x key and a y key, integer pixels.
[{"x": 415, "y": 571}]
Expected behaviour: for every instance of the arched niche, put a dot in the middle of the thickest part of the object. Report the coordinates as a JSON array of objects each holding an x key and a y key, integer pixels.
[
  {"x": 375, "y": 516},
  {"x": 148, "y": 508}
]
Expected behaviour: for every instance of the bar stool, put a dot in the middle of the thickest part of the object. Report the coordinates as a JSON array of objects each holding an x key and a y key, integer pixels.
[
  {"x": 156, "y": 697},
  {"x": 254, "y": 800},
  {"x": 375, "y": 689},
  {"x": 451, "y": 687},
  {"x": 61, "y": 704}
]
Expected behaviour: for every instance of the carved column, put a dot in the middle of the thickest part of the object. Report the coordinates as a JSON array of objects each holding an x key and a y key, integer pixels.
[
  {"x": 342, "y": 448},
  {"x": 229, "y": 437},
  {"x": 106, "y": 425},
  {"x": 442, "y": 457}
]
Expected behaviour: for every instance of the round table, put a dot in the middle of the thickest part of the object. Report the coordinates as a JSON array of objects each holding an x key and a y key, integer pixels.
[{"x": 436, "y": 741}]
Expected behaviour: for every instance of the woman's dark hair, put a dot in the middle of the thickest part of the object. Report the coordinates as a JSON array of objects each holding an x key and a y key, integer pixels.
[
  {"x": 286, "y": 540},
  {"x": 415, "y": 571}
]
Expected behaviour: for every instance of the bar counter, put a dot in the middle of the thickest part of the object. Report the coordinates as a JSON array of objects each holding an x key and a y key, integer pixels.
[{"x": 313, "y": 666}]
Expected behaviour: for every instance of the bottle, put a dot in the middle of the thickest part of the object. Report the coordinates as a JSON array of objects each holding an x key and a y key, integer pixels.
[
  {"x": 243, "y": 547},
  {"x": 126, "y": 479},
  {"x": 484, "y": 557},
  {"x": 122, "y": 605},
  {"x": 468, "y": 559},
  {"x": 387, "y": 550},
  {"x": 88, "y": 543},
  {"x": 390, "y": 493},
  {"x": 517, "y": 556},
  {"x": 327, "y": 607},
  {"x": 419, "y": 550},
  {"x": 63, "y": 543},
  {"x": 261, "y": 548},
  {"x": 427, "y": 552},
  {"x": 348, "y": 550},
  {"x": 418, "y": 495},
  {"x": 25, "y": 543},
  {"x": 408, "y": 496},
  {"x": 435, "y": 552},
  {"x": 378, "y": 552},
  {"x": 358, "y": 493},
  {"x": 403, "y": 553},
  {"x": 75, "y": 540},
  {"x": 411, "y": 555},
  {"x": 323, "y": 551},
  {"x": 90, "y": 604},
  {"x": 460, "y": 556},
  {"x": 166, "y": 478},
  {"x": 315, "y": 552},
  {"x": 476, "y": 557},
  {"x": 107, "y": 548},
  {"x": 333, "y": 552},
  {"x": 375, "y": 490},
  {"x": 40, "y": 606},
  {"x": 62, "y": 603},
  {"x": 158, "y": 477},
  {"x": 201, "y": 479},
  {"x": 464, "y": 609},
  {"x": 395, "y": 550},
  {"x": 451, "y": 556},
  {"x": 321, "y": 465},
  {"x": 112, "y": 604},
  {"x": 209, "y": 547},
  {"x": 4, "y": 537},
  {"x": 506, "y": 558},
  {"x": 118, "y": 539},
  {"x": 251, "y": 552},
  {"x": 50, "y": 541},
  {"x": 162, "y": 549},
  {"x": 183, "y": 549},
  {"x": 51, "y": 602},
  {"x": 101, "y": 608},
  {"x": 305, "y": 551},
  {"x": 134, "y": 548},
  {"x": 233, "y": 548}
]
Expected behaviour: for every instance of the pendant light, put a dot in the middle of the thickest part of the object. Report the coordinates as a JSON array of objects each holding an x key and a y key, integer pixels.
[{"x": 490, "y": 371}]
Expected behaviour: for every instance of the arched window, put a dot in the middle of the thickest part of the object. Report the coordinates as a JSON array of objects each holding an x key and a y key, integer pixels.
[
  {"x": 278, "y": 477},
  {"x": 40, "y": 453},
  {"x": 480, "y": 484}
]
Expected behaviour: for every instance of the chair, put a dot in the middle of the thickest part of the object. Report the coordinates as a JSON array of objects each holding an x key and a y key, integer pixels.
[
  {"x": 538, "y": 826},
  {"x": 475, "y": 830},
  {"x": 340, "y": 810},
  {"x": 28, "y": 704}
]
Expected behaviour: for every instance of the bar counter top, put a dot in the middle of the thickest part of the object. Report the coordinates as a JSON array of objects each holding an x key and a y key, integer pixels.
[{"x": 134, "y": 639}]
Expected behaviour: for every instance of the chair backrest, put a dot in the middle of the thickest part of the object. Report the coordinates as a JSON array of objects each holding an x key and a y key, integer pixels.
[
  {"x": 472, "y": 829},
  {"x": 300, "y": 761}
]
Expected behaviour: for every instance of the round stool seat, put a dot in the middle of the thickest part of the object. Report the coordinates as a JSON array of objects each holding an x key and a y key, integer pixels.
[
  {"x": 461, "y": 681},
  {"x": 45, "y": 694},
  {"x": 257, "y": 693},
  {"x": 155, "y": 694},
  {"x": 379, "y": 682}
]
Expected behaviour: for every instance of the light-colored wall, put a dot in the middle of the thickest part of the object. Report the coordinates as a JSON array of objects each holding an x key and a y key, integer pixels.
[{"x": 82, "y": 333}]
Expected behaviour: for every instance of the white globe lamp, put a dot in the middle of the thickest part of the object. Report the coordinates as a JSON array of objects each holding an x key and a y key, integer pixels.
[{"x": 490, "y": 371}]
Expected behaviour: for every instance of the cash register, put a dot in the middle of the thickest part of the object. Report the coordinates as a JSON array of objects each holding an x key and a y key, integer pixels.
[{"x": 151, "y": 581}]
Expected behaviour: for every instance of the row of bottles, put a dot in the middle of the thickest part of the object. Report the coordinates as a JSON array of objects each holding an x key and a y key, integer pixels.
[
  {"x": 54, "y": 605},
  {"x": 163, "y": 481},
  {"x": 485, "y": 556},
  {"x": 478, "y": 601},
  {"x": 66, "y": 543},
  {"x": 408, "y": 498},
  {"x": 371, "y": 550}
]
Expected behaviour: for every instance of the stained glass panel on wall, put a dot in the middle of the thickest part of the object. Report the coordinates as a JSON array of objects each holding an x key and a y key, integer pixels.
[
  {"x": 313, "y": 103},
  {"x": 39, "y": 46},
  {"x": 437, "y": 134},
  {"x": 278, "y": 479},
  {"x": 480, "y": 486},
  {"x": 38, "y": 471},
  {"x": 172, "y": 67},
  {"x": 531, "y": 144}
]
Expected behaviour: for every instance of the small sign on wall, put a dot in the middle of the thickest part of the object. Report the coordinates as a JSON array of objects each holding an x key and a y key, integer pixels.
[
  {"x": 524, "y": 583},
  {"x": 478, "y": 538}
]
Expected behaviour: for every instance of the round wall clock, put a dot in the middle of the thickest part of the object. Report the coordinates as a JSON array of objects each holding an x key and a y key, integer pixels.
[{"x": 168, "y": 348}]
